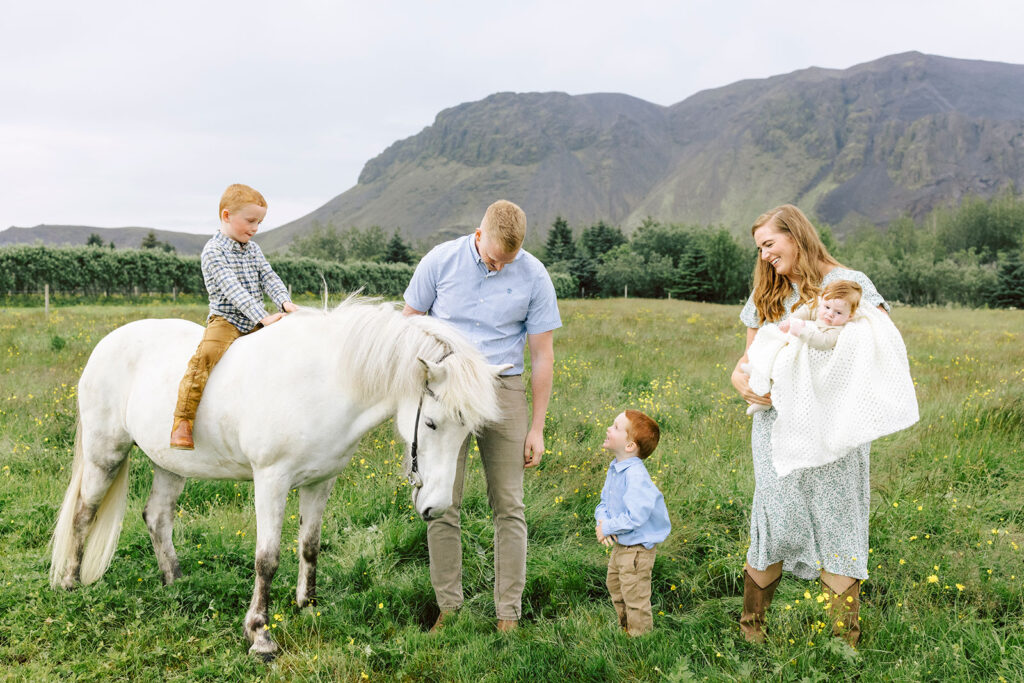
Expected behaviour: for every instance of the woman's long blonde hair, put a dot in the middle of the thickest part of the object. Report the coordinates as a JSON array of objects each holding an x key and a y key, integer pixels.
[{"x": 771, "y": 289}]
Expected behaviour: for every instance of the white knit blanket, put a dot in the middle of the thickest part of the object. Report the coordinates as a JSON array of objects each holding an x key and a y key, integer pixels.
[{"x": 830, "y": 402}]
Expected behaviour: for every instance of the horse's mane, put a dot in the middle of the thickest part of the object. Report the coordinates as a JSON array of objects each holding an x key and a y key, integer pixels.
[{"x": 379, "y": 347}]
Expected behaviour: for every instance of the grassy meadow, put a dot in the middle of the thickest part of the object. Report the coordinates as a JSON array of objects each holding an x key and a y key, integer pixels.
[{"x": 945, "y": 600}]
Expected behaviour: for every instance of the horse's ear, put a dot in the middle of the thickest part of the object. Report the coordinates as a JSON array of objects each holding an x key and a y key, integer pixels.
[
  {"x": 436, "y": 373},
  {"x": 498, "y": 369}
]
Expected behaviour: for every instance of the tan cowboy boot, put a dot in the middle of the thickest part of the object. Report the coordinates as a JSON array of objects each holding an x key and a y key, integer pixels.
[
  {"x": 181, "y": 435},
  {"x": 755, "y": 604},
  {"x": 843, "y": 610},
  {"x": 440, "y": 620},
  {"x": 508, "y": 624}
]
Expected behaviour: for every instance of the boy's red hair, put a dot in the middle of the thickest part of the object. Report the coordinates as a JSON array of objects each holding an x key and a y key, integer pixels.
[
  {"x": 238, "y": 196},
  {"x": 643, "y": 431}
]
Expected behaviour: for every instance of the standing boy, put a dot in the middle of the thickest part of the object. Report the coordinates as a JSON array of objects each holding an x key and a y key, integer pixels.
[
  {"x": 632, "y": 517},
  {"x": 500, "y": 297},
  {"x": 236, "y": 275}
]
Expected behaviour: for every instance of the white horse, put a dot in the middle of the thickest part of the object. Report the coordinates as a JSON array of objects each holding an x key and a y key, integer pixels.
[{"x": 286, "y": 408}]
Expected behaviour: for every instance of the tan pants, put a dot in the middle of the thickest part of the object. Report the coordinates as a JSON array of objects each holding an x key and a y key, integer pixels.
[
  {"x": 501, "y": 452},
  {"x": 629, "y": 582},
  {"x": 217, "y": 337}
]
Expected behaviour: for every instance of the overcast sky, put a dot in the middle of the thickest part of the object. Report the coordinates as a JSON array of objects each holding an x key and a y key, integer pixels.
[{"x": 139, "y": 114}]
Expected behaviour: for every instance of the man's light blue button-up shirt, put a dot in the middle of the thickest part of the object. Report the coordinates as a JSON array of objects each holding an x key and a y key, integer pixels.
[
  {"x": 632, "y": 508},
  {"x": 494, "y": 310}
]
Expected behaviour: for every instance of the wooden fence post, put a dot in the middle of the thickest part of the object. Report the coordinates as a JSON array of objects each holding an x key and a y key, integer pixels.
[
  {"x": 46, "y": 299},
  {"x": 625, "y": 291}
]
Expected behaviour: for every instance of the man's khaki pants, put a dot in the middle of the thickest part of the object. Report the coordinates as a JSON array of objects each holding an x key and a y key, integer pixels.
[
  {"x": 629, "y": 583},
  {"x": 501, "y": 452},
  {"x": 217, "y": 337}
]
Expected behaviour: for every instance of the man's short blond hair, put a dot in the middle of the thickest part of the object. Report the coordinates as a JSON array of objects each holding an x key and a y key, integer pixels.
[
  {"x": 505, "y": 222},
  {"x": 238, "y": 196}
]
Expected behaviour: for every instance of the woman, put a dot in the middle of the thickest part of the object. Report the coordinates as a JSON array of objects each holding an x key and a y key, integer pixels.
[{"x": 814, "y": 522}]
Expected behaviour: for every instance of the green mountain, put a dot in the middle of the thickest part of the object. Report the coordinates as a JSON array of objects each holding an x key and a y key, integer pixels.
[
  {"x": 866, "y": 144},
  {"x": 902, "y": 134}
]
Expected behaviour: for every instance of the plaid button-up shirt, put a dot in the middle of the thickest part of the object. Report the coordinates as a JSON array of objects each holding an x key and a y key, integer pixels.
[{"x": 236, "y": 277}]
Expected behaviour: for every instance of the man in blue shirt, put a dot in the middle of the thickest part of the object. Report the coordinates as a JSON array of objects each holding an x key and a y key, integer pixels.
[
  {"x": 501, "y": 298},
  {"x": 632, "y": 517}
]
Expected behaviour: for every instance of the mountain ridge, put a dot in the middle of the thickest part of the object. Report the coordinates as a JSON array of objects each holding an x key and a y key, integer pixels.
[{"x": 899, "y": 135}]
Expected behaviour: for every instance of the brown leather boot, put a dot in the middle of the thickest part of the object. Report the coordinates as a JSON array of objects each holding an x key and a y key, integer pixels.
[
  {"x": 181, "y": 435},
  {"x": 440, "y": 620},
  {"x": 508, "y": 624},
  {"x": 755, "y": 604},
  {"x": 843, "y": 610}
]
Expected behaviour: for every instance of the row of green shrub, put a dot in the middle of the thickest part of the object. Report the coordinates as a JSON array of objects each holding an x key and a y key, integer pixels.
[{"x": 92, "y": 271}]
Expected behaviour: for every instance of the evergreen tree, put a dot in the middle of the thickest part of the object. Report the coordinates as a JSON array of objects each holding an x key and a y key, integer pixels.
[
  {"x": 560, "y": 246},
  {"x": 150, "y": 241},
  {"x": 94, "y": 240},
  {"x": 1009, "y": 287},
  {"x": 694, "y": 277},
  {"x": 398, "y": 251},
  {"x": 598, "y": 240}
]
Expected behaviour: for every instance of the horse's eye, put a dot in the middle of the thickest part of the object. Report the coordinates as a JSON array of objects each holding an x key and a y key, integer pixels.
[{"x": 430, "y": 423}]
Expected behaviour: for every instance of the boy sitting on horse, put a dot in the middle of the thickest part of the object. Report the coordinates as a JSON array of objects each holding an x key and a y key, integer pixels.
[{"x": 236, "y": 275}]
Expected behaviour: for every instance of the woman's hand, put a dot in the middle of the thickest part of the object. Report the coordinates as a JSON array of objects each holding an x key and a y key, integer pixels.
[{"x": 741, "y": 381}]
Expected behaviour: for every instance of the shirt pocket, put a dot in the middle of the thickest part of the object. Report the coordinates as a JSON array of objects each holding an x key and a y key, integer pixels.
[{"x": 515, "y": 303}]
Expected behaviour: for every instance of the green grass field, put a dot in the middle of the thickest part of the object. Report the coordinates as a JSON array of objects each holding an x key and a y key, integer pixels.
[{"x": 945, "y": 600}]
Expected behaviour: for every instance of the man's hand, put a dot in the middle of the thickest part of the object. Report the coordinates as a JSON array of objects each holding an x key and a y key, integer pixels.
[
  {"x": 533, "y": 451},
  {"x": 289, "y": 307}
]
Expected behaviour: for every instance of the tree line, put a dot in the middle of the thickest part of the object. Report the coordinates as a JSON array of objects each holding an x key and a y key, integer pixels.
[
  {"x": 970, "y": 254},
  {"x": 658, "y": 260}
]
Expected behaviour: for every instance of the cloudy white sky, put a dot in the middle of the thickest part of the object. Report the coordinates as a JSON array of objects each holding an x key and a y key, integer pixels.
[{"x": 139, "y": 114}]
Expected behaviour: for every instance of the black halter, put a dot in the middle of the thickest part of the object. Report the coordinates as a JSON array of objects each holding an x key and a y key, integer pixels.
[{"x": 414, "y": 471}]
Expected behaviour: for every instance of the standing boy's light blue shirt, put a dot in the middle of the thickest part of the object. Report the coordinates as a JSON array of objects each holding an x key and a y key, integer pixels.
[
  {"x": 632, "y": 508},
  {"x": 494, "y": 310}
]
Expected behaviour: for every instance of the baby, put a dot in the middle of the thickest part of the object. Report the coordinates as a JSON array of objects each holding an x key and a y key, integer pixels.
[{"x": 820, "y": 330}]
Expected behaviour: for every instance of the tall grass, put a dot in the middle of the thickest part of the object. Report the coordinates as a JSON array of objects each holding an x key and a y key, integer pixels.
[{"x": 945, "y": 600}]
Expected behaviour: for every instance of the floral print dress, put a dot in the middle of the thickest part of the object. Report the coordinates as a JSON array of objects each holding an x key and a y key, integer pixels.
[{"x": 814, "y": 518}]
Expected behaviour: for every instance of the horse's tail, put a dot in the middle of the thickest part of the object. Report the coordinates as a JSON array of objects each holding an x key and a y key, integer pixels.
[{"x": 105, "y": 528}]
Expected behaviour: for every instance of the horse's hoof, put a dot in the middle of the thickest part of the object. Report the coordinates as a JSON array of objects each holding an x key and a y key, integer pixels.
[{"x": 265, "y": 649}]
